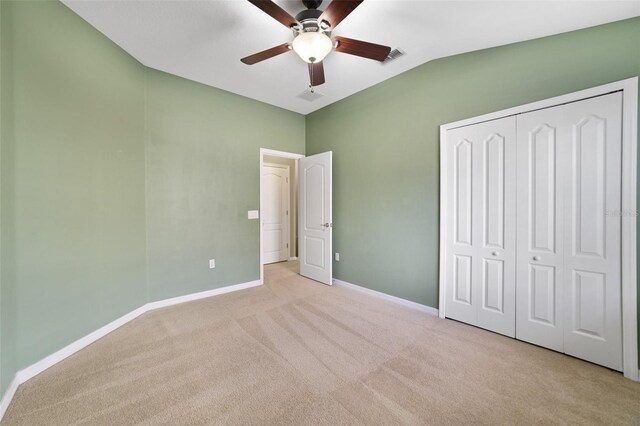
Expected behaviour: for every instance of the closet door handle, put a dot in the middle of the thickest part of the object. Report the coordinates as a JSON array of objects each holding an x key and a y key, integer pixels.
[
  {"x": 495, "y": 253},
  {"x": 536, "y": 258}
]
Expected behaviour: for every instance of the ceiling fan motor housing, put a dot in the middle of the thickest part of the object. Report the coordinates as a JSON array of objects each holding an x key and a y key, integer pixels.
[
  {"x": 309, "y": 20},
  {"x": 311, "y": 4}
]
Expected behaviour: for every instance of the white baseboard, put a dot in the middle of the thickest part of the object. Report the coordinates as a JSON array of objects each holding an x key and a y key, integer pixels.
[
  {"x": 200, "y": 295},
  {"x": 8, "y": 395},
  {"x": 49, "y": 361},
  {"x": 38, "y": 367},
  {"x": 408, "y": 303},
  {"x": 293, "y": 258}
]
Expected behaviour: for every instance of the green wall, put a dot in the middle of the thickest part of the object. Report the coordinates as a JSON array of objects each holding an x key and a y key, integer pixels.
[
  {"x": 385, "y": 141},
  {"x": 118, "y": 182},
  {"x": 7, "y": 337},
  {"x": 203, "y": 175},
  {"x": 73, "y": 229}
]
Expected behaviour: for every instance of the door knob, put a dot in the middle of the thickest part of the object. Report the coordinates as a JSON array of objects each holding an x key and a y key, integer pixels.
[
  {"x": 495, "y": 253},
  {"x": 326, "y": 225},
  {"x": 536, "y": 257}
]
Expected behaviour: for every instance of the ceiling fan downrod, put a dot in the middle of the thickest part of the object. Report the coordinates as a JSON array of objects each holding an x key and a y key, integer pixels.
[{"x": 311, "y": 89}]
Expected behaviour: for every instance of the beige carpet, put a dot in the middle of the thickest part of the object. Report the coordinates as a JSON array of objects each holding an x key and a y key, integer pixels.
[{"x": 298, "y": 352}]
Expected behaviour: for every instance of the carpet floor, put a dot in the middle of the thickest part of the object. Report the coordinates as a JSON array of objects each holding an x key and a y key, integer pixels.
[{"x": 297, "y": 352}]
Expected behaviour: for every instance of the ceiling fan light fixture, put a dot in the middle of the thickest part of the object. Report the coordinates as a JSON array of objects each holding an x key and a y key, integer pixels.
[{"x": 312, "y": 46}]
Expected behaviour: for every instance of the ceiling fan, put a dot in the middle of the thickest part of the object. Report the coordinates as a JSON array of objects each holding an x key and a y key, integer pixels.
[{"x": 312, "y": 35}]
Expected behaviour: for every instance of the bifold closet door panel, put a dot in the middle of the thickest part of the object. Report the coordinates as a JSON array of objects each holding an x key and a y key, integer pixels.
[
  {"x": 539, "y": 270},
  {"x": 460, "y": 300},
  {"x": 480, "y": 283},
  {"x": 592, "y": 240}
]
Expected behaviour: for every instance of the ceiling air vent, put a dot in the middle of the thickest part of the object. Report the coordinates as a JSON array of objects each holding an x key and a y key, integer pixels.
[
  {"x": 310, "y": 96},
  {"x": 393, "y": 55}
]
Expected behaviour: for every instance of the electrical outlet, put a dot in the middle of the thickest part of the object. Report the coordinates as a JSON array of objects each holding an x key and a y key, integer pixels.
[
  {"x": 337, "y": 257},
  {"x": 212, "y": 263}
]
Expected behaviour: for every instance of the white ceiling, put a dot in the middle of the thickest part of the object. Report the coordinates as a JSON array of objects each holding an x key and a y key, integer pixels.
[{"x": 204, "y": 40}]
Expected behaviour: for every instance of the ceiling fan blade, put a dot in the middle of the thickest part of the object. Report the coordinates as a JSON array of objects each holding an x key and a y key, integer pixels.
[
  {"x": 266, "y": 54},
  {"x": 364, "y": 49},
  {"x": 338, "y": 10},
  {"x": 316, "y": 73},
  {"x": 276, "y": 12}
]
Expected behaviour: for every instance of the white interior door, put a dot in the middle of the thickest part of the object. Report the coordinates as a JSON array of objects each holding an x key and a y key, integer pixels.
[
  {"x": 539, "y": 303},
  {"x": 592, "y": 240},
  {"x": 315, "y": 217},
  {"x": 480, "y": 283},
  {"x": 569, "y": 183},
  {"x": 275, "y": 214}
]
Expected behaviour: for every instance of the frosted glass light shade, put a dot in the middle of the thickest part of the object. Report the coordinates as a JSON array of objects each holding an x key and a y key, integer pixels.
[{"x": 312, "y": 46}]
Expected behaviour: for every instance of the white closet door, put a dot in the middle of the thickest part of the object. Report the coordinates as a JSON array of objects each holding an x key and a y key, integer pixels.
[
  {"x": 592, "y": 282},
  {"x": 460, "y": 300},
  {"x": 569, "y": 183},
  {"x": 540, "y": 225},
  {"x": 481, "y": 234}
]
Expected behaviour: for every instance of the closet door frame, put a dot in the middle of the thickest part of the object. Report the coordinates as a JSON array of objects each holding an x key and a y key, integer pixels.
[{"x": 629, "y": 89}]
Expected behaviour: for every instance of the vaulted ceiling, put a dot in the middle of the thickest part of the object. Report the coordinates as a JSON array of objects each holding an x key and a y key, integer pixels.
[{"x": 204, "y": 40}]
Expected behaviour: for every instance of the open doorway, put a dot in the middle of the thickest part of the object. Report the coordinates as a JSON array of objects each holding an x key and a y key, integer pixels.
[
  {"x": 278, "y": 208},
  {"x": 312, "y": 226}
]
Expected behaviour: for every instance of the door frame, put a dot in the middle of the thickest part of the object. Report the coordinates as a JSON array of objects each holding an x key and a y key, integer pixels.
[
  {"x": 629, "y": 89},
  {"x": 288, "y": 221},
  {"x": 272, "y": 153}
]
